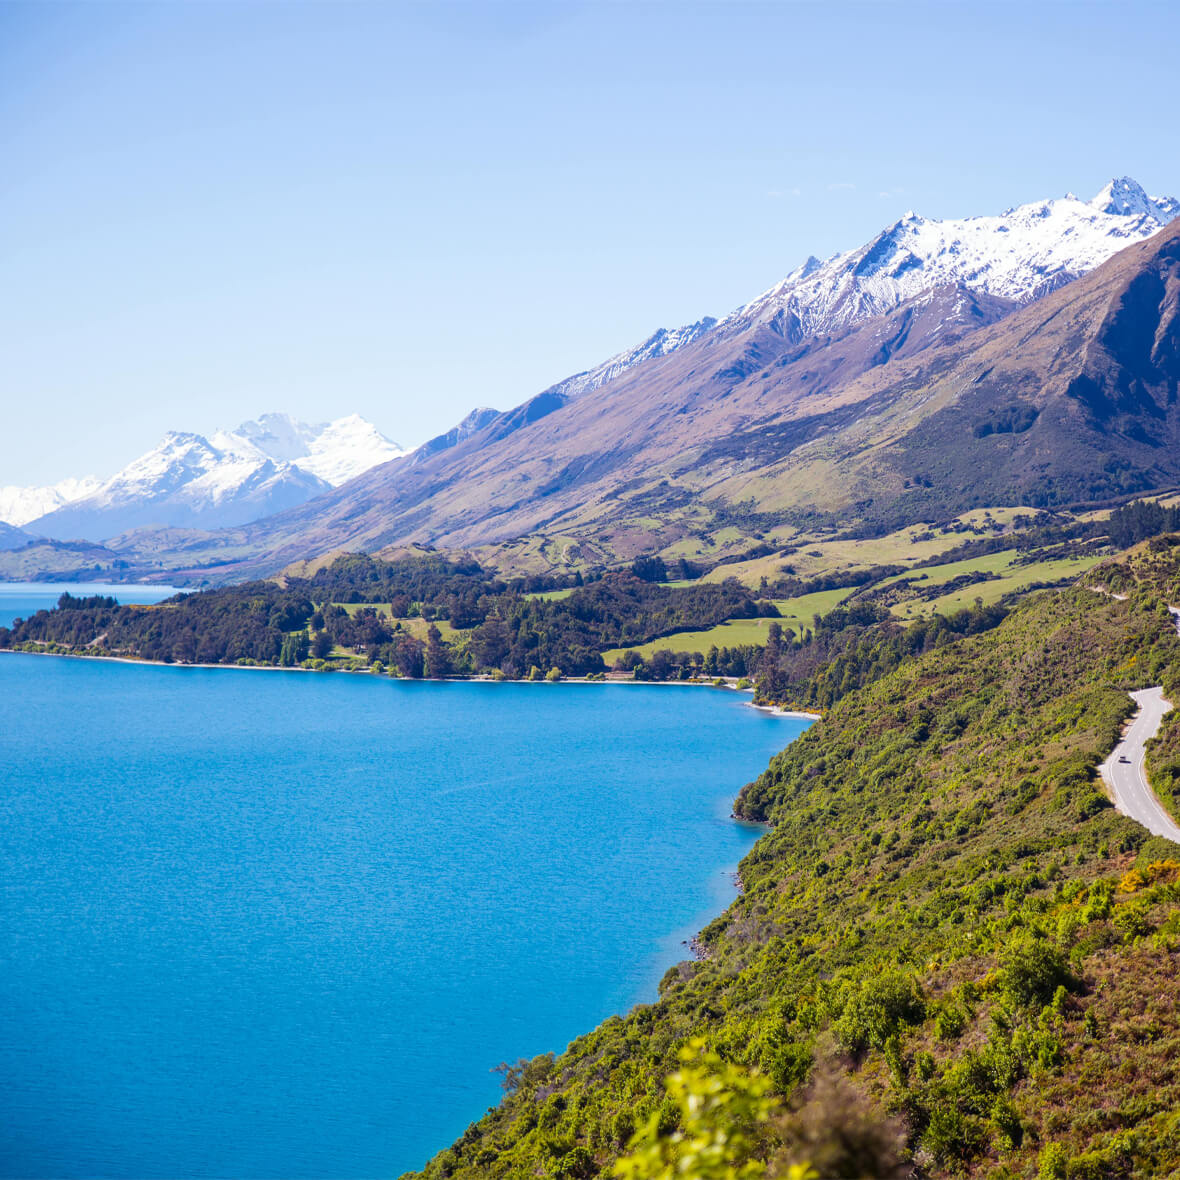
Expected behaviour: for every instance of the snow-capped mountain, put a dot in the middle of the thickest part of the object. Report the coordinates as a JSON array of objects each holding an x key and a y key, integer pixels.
[
  {"x": 952, "y": 276},
  {"x": 228, "y": 479},
  {"x": 480, "y": 417},
  {"x": 20, "y": 505},
  {"x": 1020, "y": 255},
  {"x": 334, "y": 451}
]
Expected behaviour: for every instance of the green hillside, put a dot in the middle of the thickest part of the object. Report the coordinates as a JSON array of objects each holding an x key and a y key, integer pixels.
[{"x": 946, "y": 926}]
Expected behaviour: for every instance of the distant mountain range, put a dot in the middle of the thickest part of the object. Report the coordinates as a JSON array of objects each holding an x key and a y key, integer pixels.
[
  {"x": 188, "y": 480},
  {"x": 19, "y": 505},
  {"x": 1027, "y": 358}
]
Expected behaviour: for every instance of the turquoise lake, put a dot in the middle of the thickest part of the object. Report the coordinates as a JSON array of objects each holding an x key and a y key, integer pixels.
[
  {"x": 268, "y": 924},
  {"x": 19, "y": 600}
]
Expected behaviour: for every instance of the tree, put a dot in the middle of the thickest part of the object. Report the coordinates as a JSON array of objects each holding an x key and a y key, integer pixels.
[
  {"x": 294, "y": 649},
  {"x": 321, "y": 645},
  {"x": 650, "y": 569},
  {"x": 411, "y": 657},
  {"x": 770, "y": 680},
  {"x": 438, "y": 655},
  {"x": 490, "y": 642},
  {"x": 1033, "y": 969}
]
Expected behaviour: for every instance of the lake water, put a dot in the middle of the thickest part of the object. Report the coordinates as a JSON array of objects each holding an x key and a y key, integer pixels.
[
  {"x": 268, "y": 924},
  {"x": 19, "y": 600}
]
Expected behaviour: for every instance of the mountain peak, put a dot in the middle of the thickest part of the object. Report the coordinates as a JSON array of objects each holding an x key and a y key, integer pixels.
[
  {"x": 1018, "y": 256},
  {"x": 264, "y": 466},
  {"x": 1126, "y": 197}
]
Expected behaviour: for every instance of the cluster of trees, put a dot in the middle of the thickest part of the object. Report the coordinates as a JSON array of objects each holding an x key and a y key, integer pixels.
[
  {"x": 514, "y": 632},
  {"x": 792, "y": 586},
  {"x": 853, "y": 646},
  {"x": 1139, "y": 520},
  {"x": 243, "y": 623},
  {"x": 69, "y": 601},
  {"x": 662, "y": 664},
  {"x": 504, "y": 628},
  {"x": 655, "y": 569}
]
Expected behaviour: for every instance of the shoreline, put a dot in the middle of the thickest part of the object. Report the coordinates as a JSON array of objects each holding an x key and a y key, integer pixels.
[
  {"x": 770, "y": 710},
  {"x": 779, "y": 711}
]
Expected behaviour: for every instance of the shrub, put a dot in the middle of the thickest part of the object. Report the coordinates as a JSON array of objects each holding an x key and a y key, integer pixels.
[
  {"x": 1053, "y": 1163},
  {"x": 951, "y": 1136},
  {"x": 788, "y": 1065},
  {"x": 877, "y": 1009},
  {"x": 950, "y": 1022},
  {"x": 1032, "y": 971},
  {"x": 838, "y": 1132},
  {"x": 723, "y": 1110}
]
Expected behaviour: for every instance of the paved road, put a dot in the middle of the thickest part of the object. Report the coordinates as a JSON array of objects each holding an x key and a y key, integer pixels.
[{"x": 1127, "y": 780}]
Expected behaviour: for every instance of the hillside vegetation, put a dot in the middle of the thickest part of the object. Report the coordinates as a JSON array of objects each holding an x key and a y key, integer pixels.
[
  {"x": 371, "y": 613},
  {"x": 424, "y": 614},
  {"x": 947, "y": 935}
]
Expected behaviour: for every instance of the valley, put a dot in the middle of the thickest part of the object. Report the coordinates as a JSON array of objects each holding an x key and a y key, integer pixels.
[{"x": 882, "y": 494}]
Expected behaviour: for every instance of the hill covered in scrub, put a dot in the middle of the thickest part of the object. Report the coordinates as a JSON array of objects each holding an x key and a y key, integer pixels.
[{"x": 946, "y": 924}]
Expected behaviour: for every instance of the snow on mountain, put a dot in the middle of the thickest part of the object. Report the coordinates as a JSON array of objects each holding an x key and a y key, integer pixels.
[
  {"x": 474, "y": 422},
  {"x": 659, "y": 343},
  {"x": 1126, "y": 198},
  {"x": 20, "y": 505},
  {"x": 333, "y": 451},
  {"x": 1020, "y": 255},
  {"x": 344, "y": 448},
  {"x": 230, "y": 478}
]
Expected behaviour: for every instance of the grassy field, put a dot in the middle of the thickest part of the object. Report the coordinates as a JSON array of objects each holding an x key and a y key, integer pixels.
[
  {"x": 382, "y": 608},
  {"x": 1011, "y": 578},
  {"x": 991, "y": 563},
  {"x": 903, "y": 547},
  {"x": 731, "y": 634},
  {"x": 415, "y": 626},
  {"x": 796, "y": 613},
  {"x": 552, "y": 595}
]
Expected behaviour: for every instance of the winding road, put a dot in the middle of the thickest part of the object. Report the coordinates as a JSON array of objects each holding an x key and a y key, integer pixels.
[{"x": 1124, "y": 771}]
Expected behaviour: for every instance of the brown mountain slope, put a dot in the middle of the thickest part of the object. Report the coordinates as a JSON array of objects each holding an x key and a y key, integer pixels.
[
  {"x": 616, "y": 469},
  {"x": 952, "y": 401}
]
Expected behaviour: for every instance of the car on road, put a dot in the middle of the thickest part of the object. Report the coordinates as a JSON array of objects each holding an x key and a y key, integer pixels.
[{"x": 1124, "y": 758}]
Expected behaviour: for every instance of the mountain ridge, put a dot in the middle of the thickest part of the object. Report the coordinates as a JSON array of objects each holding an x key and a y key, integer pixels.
[
  {"x": 704, "y": 441},
  {"x": 228, "y": 478},
  {"x": 675, "y": 444}
]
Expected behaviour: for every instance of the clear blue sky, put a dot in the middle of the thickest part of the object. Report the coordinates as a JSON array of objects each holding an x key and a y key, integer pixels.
[{"x": 211, "y": 209}]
